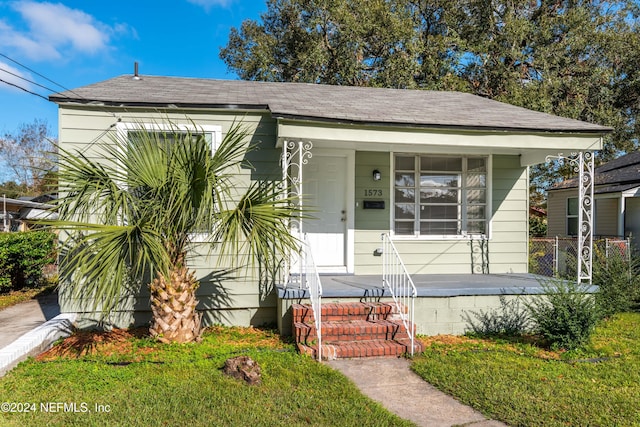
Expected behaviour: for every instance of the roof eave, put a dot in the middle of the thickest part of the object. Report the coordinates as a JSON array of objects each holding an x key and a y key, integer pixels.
[{"x": 480, "y": 128}]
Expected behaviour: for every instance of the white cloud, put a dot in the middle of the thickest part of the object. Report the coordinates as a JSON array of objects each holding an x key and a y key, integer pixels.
[
  {"x": 54, "y": 31},
  {"x": 208, "y": 4},
  {"x": 14, "y": 76}
]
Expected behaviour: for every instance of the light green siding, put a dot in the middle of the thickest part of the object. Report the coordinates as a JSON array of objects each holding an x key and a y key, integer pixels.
[
  {"x": 239, "y": 296},
  {"x": 507, "y": 247},
  {"x": 226, "y": 295}
]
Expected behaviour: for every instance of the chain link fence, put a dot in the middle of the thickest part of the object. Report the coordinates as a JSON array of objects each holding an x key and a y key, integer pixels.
[{"x": 557, "y": 256}]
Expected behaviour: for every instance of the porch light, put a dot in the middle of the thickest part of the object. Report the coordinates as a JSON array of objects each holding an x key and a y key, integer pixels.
[{"x": 377, "y": 176}]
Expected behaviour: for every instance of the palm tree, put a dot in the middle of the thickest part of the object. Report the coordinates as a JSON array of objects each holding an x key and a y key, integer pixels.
[{"x": 136, "y": 216}]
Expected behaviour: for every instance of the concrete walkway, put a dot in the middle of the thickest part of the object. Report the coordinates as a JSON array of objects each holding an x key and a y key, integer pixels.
[
  {"x": 29, "y": 328},
  {"x": 391, "y": 382},
  {"x": 21, "y": 318}
]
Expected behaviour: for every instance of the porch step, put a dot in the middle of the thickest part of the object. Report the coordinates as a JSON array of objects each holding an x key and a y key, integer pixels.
[
  {"x": 355, "y": 349},
  {"x": 353, "y": 329},
  {"x": 344, "y": 311}
]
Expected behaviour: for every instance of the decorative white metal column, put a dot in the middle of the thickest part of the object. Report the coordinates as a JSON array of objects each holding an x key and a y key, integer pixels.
[
  {"x": 582, "y": 163},
  {"x": 295, "y": 154}
]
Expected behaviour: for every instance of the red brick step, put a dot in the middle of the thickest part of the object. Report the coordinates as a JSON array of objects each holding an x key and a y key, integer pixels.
[{"x": 353, "y": 329}]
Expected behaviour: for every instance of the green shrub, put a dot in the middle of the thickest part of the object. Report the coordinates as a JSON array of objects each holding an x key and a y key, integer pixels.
[
  {"x": 22, "y": 257},
  {"x": 618, "y": 282},
  {"x": 565, "y": 315},
  {"x": 510, "y": 319}
]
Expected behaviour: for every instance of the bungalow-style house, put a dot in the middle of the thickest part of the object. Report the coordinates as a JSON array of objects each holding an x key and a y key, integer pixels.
[
  {"x": 443, "y": 175},
  {"x": 617, "y": 201}
]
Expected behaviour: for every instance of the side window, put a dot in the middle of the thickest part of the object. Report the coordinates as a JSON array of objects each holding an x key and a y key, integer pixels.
[{"x": 572, "y": 216}]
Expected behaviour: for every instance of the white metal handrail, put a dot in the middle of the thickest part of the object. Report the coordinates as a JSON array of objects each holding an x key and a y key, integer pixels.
[
  {"x": 311, "y": 279},
  {"x": 396, "y": 278}
]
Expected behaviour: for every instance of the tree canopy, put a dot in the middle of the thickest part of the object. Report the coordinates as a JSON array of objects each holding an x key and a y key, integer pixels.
[
  {"x": 573, "y": 58},
  {"x": 28, "y": 154}
]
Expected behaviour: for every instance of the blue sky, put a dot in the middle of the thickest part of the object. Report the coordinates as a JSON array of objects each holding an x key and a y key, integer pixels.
[{"x": 75, "y": 43}]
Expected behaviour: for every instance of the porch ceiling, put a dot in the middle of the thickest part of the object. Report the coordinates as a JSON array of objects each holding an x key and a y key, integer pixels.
[{"x": 532, "y": 147}]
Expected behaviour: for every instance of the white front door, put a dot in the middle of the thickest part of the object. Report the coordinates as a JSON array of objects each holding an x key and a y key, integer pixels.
[{"x": 325, "y": 189}]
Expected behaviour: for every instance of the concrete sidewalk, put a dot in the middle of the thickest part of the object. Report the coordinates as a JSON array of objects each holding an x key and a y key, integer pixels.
[
  {"x": 21, "y": 318},
  {"x": 391, "y": 382},
  {"x": 29, "y": 328}
]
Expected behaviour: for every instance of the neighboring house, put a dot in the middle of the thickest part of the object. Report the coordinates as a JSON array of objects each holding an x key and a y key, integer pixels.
[
  {"x": 437, "y": 170},
  {"x": 617, "y": 201},
  {"x": 18, "y": 214}
]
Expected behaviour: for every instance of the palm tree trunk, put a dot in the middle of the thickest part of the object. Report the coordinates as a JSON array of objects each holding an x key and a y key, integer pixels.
[{"x": 173, "y": 304}]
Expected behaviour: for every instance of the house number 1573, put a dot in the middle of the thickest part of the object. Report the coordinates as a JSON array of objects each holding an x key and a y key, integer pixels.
[{"x": 372, "y": 192}]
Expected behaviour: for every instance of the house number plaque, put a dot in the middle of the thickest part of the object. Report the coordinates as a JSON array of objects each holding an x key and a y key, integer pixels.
[{"x": 372, "y": 192}]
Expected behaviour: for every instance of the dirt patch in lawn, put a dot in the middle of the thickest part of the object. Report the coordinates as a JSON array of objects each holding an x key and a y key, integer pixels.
[{"x": 106, "y": 343}]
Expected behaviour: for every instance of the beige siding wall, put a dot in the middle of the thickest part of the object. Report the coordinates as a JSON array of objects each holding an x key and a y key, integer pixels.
[
  {"x": 507, "y": 246},
  {"x": 605, "y": 215},
  {"x": 557, "y": 212},
  {"x": 234, "y": 297}
]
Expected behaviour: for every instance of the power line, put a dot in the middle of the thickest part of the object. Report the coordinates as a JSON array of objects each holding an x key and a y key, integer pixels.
[
  {"x": 35, "y": 72},
  {"x": 24, "y": 89},
  {"x": 51, "y": 81},
  {"x": 26, "y": 80}
]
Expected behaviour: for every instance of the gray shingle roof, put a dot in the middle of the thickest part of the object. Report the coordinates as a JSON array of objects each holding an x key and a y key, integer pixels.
[
  {"x": 617, "y": 175},
  {"x": 324, "y": 102}
]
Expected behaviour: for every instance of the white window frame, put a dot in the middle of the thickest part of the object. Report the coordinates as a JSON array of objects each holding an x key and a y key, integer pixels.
[
  {"x": 568, "y": 216},
  {"x": 123, "y": 128},
  {"x": 462, "y": 205}
]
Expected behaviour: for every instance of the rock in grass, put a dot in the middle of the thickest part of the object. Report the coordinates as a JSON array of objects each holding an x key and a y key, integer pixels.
[{"x": 243, "y": 368}]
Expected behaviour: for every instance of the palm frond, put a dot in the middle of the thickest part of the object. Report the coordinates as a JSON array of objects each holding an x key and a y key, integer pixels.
[
  {"x": 98, "y": 260},
  {"x": 258, "y": 223},
  {"x": 134, "y": 212}
]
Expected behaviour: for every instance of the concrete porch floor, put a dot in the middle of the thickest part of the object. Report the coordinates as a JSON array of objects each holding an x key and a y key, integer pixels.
[{"x": 427, "y": 285}]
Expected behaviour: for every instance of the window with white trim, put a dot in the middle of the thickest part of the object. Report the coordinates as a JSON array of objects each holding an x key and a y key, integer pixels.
[
  {"x": 440, "y": 195},
  {"x": 167, "y": 132},
  {"x": 170, "y": 134},
  {"x": 572, "y": 216}
]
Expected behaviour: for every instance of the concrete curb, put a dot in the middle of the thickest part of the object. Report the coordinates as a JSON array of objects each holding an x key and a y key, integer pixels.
[{"x": 36, "y": 341}]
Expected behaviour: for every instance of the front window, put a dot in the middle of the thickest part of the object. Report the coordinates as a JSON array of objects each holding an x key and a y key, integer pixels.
[
  {"x": 168, "y": 133},
  {"x": 440, "y": 195}
]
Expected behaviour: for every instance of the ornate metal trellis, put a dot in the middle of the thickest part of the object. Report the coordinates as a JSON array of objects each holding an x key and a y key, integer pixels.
[
  {"x": 295, "y": 154},
  {"x": 582, "y": 163},
  {"x": 479, "y": 255}
]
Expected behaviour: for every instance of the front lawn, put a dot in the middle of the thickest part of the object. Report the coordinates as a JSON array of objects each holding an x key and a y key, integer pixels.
[
  {"x": 118, "y": 379},
  {"x": 7, "y": 299},
  {"x": 523, "y": 385}
]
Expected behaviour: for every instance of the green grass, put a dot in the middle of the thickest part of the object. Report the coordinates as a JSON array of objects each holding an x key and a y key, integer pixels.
[
  {"x": 16, "y": 297},
  {"x": 523, "y": 385},
  {"x": 143, "y": 383}
]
